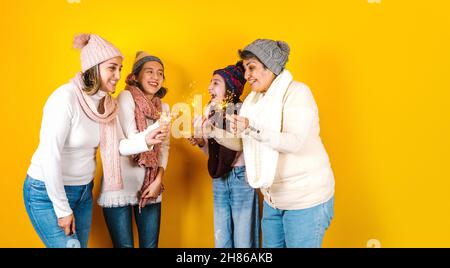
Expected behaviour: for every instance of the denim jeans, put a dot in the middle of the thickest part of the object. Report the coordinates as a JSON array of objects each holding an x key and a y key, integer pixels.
[
  {"x": 303, "y": 228},
  {"x": 43, "y": 218},
  {"x": 119, "y": 222},
  {"x": 236, "y": 212}
]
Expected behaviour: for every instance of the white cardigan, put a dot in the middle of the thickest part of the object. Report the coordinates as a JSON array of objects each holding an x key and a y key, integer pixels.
[
  {"x": 68, "y": 144},
  {"x": 302, "y": 176},
  {"x": 132, "y": 174}
]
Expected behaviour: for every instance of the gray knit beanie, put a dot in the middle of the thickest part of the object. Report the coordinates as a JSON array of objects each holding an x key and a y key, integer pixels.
[
  {"x": 141, "y": 58},
  {"x": 273, "y": 54}
]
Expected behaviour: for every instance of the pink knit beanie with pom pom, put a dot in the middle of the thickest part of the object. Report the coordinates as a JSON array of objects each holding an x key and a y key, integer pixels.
[{"x": 94, "y": 50}]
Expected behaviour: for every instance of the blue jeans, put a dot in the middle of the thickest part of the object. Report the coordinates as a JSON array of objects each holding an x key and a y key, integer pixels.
[
  {"x": 119, "y": 222},
  {"x": 42, "y": 215},
  {"x": 303, "y": 228},
  {"x": 236, "y": 212}
]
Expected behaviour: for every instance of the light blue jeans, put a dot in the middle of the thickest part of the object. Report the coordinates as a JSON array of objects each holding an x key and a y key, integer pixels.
[
  {"x": 236, "y": 213},
  {"x": 42, "y": 215},
  {"x": 303, "y": 228}
]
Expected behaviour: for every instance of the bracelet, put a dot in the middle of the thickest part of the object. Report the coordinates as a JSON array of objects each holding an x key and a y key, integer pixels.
[
  {"x": 203, "y": 144},
  {"x": 253, "y": 129}
]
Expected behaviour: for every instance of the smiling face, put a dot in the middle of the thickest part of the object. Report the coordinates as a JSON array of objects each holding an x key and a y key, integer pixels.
[
  {"x": 217, "y": 88},
  {"x": 259, "y": 77},
  {"x": 151, "y": 77},
  {"x": 110, "y": 74}
]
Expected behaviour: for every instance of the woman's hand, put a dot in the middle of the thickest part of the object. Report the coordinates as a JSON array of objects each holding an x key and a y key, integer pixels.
[
  {"x": 67, "y": 224},
  {"x": 238, "y": 123},
  {"x": 155, "y": 188},
  {"x": 158, "y": 135}
]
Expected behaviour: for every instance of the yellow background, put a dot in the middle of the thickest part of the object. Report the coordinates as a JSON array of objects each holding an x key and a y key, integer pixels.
[{"x": 379, "y": 73}]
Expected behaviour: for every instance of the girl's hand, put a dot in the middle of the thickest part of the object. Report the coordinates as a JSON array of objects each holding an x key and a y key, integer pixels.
[
  {"x": 196, "y": 141},
  {"x": 154, "y": 189},
  {"x": 197, "y": 123},
  {"x": 202, "y": 127},
  {"x": 158, "y": 135}
]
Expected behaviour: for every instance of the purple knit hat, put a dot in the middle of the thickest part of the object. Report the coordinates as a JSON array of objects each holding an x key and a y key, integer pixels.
[{"x": 234, "y": 78}]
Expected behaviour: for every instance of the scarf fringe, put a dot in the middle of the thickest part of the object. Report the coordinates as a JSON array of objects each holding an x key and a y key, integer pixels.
[{"x": 122, "y": 201}]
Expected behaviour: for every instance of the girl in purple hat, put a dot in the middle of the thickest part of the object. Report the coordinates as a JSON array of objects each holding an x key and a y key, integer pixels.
[{"x": 236, "y": 213}]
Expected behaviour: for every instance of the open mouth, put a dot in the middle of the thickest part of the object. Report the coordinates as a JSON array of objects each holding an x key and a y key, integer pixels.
[{"x": 153, "y": 84}]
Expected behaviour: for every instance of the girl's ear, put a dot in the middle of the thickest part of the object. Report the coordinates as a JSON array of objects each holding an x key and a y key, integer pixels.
[{"x": 131, "y": 79}]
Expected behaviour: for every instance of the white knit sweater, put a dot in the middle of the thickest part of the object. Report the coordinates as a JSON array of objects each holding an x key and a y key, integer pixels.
[
  {"x": 132, "y": 174},
  {"x": 303, "y": 177},
  {"x": 68, "y": 144}
]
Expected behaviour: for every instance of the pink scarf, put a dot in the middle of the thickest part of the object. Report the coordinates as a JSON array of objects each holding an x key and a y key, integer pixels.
[
  {"x": 109, "y": 140},
  {"x": 150, "y": 159}
]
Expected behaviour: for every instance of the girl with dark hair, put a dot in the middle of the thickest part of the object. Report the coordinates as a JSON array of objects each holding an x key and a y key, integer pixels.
[
  {"x": 236, "y": 213},
  {"x": 140, "y": 108}
]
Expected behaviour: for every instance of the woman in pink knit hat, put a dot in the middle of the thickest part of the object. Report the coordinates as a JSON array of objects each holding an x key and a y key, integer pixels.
[{"x": 79, "y": 117}]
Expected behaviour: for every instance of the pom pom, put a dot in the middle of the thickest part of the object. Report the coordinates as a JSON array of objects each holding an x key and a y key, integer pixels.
[
  {"x": 81, "y": 41},
  {"x": 138, "y": 54},
  {"x": 284, "y": 47}
]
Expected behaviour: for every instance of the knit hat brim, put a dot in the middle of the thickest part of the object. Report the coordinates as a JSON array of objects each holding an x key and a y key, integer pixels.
[
  {"x": 234, "y": 78},
  {"x": 141, "y": 58}
]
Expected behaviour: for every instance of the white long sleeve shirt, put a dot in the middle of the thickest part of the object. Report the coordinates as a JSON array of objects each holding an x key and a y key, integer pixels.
[
  {"x": 66, "y": 154},
  {"x": 132, "y": 174},
  {"x": 304, "y": 176}
]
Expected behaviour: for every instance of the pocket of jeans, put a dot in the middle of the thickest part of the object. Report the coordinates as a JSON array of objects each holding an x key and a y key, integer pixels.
[
  {"x": 37, "y": 185},
  {"x": 38, "y": 194},
  {"x": 239, "y": 173},
  {"x": 328, "y": 210}
]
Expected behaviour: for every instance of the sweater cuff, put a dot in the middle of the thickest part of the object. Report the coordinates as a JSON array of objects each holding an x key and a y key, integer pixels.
[
  {"x": 62, "y": 210},
  {"x": 135, "y": 145},
  {"x": 257, "y": 132}
]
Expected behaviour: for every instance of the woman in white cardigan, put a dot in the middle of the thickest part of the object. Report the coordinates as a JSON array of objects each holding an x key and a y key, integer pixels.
[
  {"x": 140, "y": 108},
  {"x": 78, "y": 118},
  {"x": 283, "y": 151}
]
